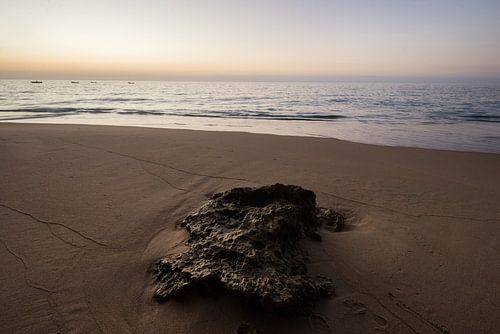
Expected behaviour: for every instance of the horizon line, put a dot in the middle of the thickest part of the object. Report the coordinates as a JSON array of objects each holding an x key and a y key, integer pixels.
[{"x": 262, "y": 78}]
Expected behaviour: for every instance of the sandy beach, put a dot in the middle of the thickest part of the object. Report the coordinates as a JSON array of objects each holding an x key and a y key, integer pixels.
[{"x": 86, "y": 210}]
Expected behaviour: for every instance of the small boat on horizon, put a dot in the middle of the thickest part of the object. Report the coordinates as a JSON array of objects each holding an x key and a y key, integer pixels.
[
  {"x": 131, "y": 82},
  {"x": 36, "y": 81},
  {"x": 75, "y": 81},
  {"x": 93, "y": 82}
]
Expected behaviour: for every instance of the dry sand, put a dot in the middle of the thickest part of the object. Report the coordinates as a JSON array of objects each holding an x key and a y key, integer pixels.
[{"x": 85, "y": 210}]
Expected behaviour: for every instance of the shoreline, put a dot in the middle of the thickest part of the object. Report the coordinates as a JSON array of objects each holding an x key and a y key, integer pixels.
[
  {"x": 250, "y": 133},
  {"x": 448, "y": 117},
  {"x": 87, "y": 209}
]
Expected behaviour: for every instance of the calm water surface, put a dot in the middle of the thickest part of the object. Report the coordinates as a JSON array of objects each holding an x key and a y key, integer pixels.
[{"x": 444, "y": 116}]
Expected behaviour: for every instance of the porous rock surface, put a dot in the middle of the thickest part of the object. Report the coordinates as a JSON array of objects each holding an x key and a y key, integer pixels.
[{"x": 246, "y": 240}]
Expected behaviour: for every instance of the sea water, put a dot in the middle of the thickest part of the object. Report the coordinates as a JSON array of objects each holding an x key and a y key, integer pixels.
[{"x": 451, "y": 116}]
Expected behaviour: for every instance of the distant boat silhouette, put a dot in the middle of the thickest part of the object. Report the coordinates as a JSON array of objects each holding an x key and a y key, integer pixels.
[
  {"x": 93, "y": 82},
  {"x": 36, "y": 81},
  {"x": 75, "y": 81},
  {"x": 131, "y": 82}
]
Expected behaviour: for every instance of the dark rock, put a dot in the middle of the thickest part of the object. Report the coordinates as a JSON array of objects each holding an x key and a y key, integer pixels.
[
  {"x": 333, "y": 220},
  {"x": 246, "y": 240}
]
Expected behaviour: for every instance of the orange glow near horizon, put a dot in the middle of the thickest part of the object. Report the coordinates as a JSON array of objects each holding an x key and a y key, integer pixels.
[{"x": 232, "y": 38}]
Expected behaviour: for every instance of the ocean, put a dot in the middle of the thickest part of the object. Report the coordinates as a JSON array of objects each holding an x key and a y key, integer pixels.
[{"x": 463, "y": 117}]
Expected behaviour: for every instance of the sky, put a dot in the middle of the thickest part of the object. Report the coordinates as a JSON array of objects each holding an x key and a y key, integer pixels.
[{"x": 153, "y": 39}]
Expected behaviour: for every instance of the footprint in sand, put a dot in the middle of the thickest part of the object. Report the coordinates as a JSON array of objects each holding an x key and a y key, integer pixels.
[
  {"x": 319, "y": 324},
  {"x": 381, "y": 321},
  {"x": 246, "y": 329},
  {"x": 360, "y": 308},
  {"x": 356, "y": 307}
]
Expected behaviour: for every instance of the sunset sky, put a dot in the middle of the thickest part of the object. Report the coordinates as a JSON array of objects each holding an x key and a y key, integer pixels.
[{"x": 156, "y": 39}]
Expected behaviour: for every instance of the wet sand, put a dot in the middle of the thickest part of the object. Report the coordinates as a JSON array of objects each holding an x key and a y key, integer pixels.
[{"x": 85, "y": 211}]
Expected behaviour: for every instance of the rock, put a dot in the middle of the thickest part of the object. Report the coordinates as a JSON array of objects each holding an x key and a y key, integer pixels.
[
  {"x": 246, "y": 240},
  {"x": 333, "y": 220}
]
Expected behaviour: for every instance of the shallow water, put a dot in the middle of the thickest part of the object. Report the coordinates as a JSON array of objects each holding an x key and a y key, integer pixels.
[{"x": 443, "y": 116}]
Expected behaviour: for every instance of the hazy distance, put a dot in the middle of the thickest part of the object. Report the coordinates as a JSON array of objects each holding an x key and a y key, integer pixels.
[{"x": 249, "y": 40}]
